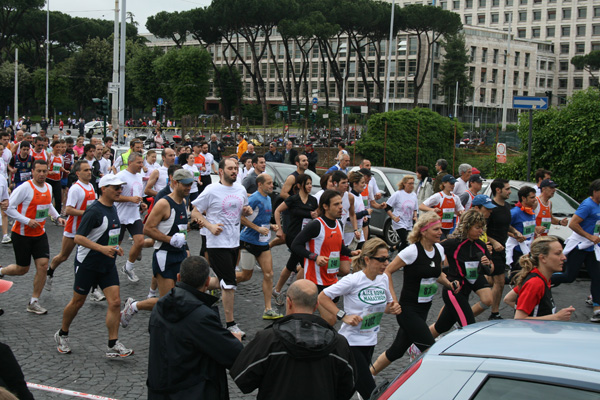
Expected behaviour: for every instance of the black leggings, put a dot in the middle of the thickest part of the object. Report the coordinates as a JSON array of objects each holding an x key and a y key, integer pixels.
[
  {"x": 294, "y": 260},
  {"x": 56, "y": 194},
  {"x": 403, "y": 236},
  {"x": 456, "y": 309},
  {"x": 365, "y": 384},
  {"x": 413, "y": 329}
]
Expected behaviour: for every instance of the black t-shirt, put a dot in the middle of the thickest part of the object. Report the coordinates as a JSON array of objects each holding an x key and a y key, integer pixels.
[
  {"x": 298, "y": 211},
  {"x": 459, "y": 252},
  {"x": 499, "y": 222},
  {"x": 99, "y": 224}
]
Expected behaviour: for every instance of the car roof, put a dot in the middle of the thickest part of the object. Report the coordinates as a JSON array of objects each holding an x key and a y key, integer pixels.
[
  {"x": 386, "y": 169},
  {"x": 548, "y": 342}
]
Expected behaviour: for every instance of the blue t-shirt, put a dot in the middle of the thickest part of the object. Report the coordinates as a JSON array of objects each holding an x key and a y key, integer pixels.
[
  {"x": 589, "y": 211},
  {"x": 523, "y": 222},
  {"x": 261, "y": 216}
]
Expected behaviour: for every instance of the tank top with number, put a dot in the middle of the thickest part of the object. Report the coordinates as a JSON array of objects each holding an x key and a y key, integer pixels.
[
  {"x": 55, "y": 164},
  {"x": 23, "y": 169},
  {"x": 74, "y": 221},
  {"x": 36, "y": 208},
  {"x": 420, "y": 277},
  {"x": 543, "y": 216},
  {"x": 327, "y": 244},
  {"x": 40, "y": 156},
  {"x": 176, "y": 223},
  {"x": 447, "y": 206}
]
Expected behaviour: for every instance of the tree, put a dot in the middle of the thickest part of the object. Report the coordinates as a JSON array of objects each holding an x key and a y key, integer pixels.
[
  {"x": 169, "y": 25},
  {"x": 231, "y": 86},
  {"x": 454, "y": 69},
  {"x": 183, "y": 76},
  {"x": 142, "y": 75},
  {"x": 565, "y": 140},
  {"x": 11, "y": 15},
  {"x": 590, "y": 62}
]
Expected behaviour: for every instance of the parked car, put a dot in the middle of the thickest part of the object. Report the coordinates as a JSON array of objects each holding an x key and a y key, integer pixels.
[
  {"x": 510, "y": 359},
  {"x": 563, "y": 205},
  {"x": 280, "y": 172},
  {"x": 387, "y": 180},
  {"x": 94, "y": 127}
]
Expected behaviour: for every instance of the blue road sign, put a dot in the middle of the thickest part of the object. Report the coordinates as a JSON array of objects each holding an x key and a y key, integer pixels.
[
  {"x": 530, "y": 103},
  {"x": 315, "y": 100},
  {"x": 160, "y": 101}
]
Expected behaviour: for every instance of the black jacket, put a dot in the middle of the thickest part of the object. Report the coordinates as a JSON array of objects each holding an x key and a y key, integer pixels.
[
  {"x": 189, "y": 348},
  {"x": 313, "y": 158},
  {"x": 300, "y": 356}
]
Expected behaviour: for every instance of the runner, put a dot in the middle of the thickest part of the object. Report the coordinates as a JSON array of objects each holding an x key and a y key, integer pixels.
[
  {"x": 445, "y": 203},
  {"x": 80, "y": 197},
  {"x": 422, "y": 263},
  {"x": 209, "y": 164},
  {"x": 348, "y": 218},
  {"x": 224, "y": 205},
  {"x": 158, "y": 178},
  {"x": 39, "y": 152},
  {"x": 21, "y": 165},
  {"x": 120, "y": 164},
  {"x": 321, "y": 244},
  {"x": 302, "y": 209},
  {"x": 97, "y": 237},
  {"x": 193, "y": 169},
  {"x": 357, "y": 186},
  {"x": 254, "y": 241},
  {"x": 167, "y": 224},
  {"x": 29, "y": 205},
  {"x": 543, "y": 207},
  {"x": 366, "y": 296},
  {"x": 475, "y": 184},
  {"x": 56, "y": 162},
  {"x": 402, "y": 209}
]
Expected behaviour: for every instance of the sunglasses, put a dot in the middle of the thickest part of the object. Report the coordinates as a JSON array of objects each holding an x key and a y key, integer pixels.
[{"x": 381, "y": 259}]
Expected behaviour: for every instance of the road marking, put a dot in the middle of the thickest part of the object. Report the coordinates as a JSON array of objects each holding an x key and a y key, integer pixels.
[{"x": 67, "y": 392}]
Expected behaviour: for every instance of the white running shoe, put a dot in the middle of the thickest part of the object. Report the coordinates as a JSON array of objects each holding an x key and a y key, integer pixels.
[
  {"x": 127, "y": 312},
  {"x": 36, "y": 308},
  {"x": 236, "y": 329},
  {"x": 62, "y": 342},
  {"x": 6, "y": 239},
  {"x": 97, "y": 295},
  {"x": 118, "y": 351},
  {"x": 413, "y": 352},
  {"x": 48, "y": 285},
  {"x": 130, "y": 274}
]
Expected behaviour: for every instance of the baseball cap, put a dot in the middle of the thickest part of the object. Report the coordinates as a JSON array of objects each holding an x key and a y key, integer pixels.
[
  {"x": 476, "y": 178},
  {"x": 110, "y": 180},
  {"x": 475, "y": 171},
  {"x": 183, "y": 176},
  {"x": 5, "y": 285},
  {"x": 449, "y": 178},
  {"x": 365, "y": 171},
  {"x": 548, "y": 183},
  {"x": 483, "y": 200}
]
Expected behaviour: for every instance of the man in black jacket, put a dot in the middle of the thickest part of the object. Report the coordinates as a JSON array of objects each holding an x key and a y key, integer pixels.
[
  {"x": 189, "y": 348},
  {"x": 312, "y": 155},
  {"x": 298, "y": 343}
]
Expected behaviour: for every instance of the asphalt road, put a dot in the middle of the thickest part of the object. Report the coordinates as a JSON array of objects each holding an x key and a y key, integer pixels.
[{"x": 87, "y": 369}]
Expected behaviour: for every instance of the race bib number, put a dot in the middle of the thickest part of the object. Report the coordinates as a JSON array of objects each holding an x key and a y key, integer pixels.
[
  {"x": 183, "y": 229},
  {"x": 528, "y": 228},
  {"x": 56, "y": 167},
  {"x": 448, "y": 215},
  {"x": 471, "y": 271},
  {"x": 365, "y": 201},
  {"x": 265, "y": 238},
  {"x": 113, "y": 237},
  {"x": 41, "y": 212},
  {"x": 427, "y": 289},
  {"x": 196, "y": 174},
  {"x": 333, "y": 265},
  {"x": 25, "y": 176},
  {"x": 597, "y": 228},
  {"x": 371, "y": 319},
  {"x": 89, "y": 203},
  {"x": 546, "y": 223}
]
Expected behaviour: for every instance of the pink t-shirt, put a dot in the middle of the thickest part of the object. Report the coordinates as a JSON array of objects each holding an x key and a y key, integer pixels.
[{"x": 78, "y": 150}]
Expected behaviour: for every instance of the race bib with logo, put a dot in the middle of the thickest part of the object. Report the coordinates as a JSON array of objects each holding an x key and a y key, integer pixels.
[
  {"x": 427, "y": 289},
  {"x": 113, "y": 237},
  {"x": 546, "y": 223},
  {"x": 528, "y": 229},
  {"x": 448, "y": 215},
  {"x": 471, "y": 271},
  {"x": 41, "y": 212},
  {"x": 333, "y": 265}
]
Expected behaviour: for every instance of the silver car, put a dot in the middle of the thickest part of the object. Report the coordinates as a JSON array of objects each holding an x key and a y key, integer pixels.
[{"x": 510, "y": 359}]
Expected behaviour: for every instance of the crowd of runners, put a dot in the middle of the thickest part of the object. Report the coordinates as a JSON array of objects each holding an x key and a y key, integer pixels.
[{"x": 451, "y": 238}]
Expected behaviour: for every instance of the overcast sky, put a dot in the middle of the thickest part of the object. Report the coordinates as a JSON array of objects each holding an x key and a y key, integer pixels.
[{"x": 141, "y": 9}]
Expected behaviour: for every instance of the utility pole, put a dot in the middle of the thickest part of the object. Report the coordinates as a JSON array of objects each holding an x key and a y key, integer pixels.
[
  {"x": 122, "y": 67},
  {"x": 47, "y": 53},
  {"x": 16, "y": 106},
  {"x": 114, "y": 120}
]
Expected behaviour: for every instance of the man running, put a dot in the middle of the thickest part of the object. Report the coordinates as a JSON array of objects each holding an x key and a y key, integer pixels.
[
  {"x": 21, "y": 165},
  {"x": 29, "y": 205},
  {"x": 466, "y": 198},
  {"x": 167, "y": 224},
  {"x": 158, "y": 178},
  {"x": 543, "y": 207},
  {"x": 95, "y": 264},
  {"x": 224, "y": 205},
  {"x": 259, "y": 164},
  {"x": 209, "y": 164},
  {"x": 254, "y": 241}
]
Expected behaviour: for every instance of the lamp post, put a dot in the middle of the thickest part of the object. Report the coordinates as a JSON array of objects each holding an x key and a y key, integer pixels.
[
  {"x": 389, "y": 59},
  {"x": 47, "y": 53}
]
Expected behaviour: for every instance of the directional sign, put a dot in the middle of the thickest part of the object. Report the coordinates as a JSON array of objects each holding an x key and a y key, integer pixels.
[
  {"x": 283, "y": 108},
  {"x": 315, "y": 100},
  {"x": 160, "y": 101},
  {"x": 530, "y": 103},
  {"x": 346, "y": 110},
  {"x": 113, "y": 87}
]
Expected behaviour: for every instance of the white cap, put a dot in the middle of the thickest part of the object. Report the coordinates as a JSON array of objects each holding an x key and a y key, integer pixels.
[{"x": 110, "y": 180}]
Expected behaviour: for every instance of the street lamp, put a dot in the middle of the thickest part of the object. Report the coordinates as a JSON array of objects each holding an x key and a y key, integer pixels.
[{"x": 389, "y": 59}]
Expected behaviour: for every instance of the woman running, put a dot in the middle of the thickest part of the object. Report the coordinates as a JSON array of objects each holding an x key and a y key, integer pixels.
[
  {"x": 303, "y": 209},
  {"x": 402, "y": 209},
  {"x": 366, "y": 297},
  {"x": 357, "y": 185},
  {"x": 422, "y": 264},
  {"x": 534, "y": 299}
]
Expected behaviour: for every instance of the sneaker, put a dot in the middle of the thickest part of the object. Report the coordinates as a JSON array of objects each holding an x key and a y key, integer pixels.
[
  {"x": 62, "y": 342},
  {"x": 596, "y": 316},
  {"x": 236, "y": 329},
  {"x": 130, "y": 274},
  {"x": 494, "y": 317},
  {"x": 413, "y": 352},
  {"x": 271, "y": 314},
  {"x": 589, "y": 301},
  {"x": 279, "y": 297},
  {"x": 36, "y": 308},
  {"x": 97, "y": 295},
  {"x": 127, "y": 313},
  {"x": 6, "y": 239},
  {"x": 48, "y": 285},
  {"x": 152, "y": 294},
  {"x": 118, "y": 351}
]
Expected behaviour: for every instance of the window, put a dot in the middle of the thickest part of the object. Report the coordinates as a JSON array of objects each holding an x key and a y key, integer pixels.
[
  {"x": 493, "y": 96},
  {"x": 483, "y": 75},
  {"x": 484, "y": 52},
  {"x": 413, "y": 47},
  {"x": 471, "y": 73},
  {"x": 543, "y": 65},
  {"x": 456, "y": 4},
  {"x": 473, "y": 53},
  {"x": 481, "y": 19},
  {"x": 563, "y": 66},
  {"x": 522, "y": 16},
  {"x": 522, "y": 2},
  {"x": 564, "y": 48},
  {"x": 595, "y": 46},
  {"x": 495, "y": 17},
  {"x": 535, "y": 32},
  {"x": 526, "y": 79},
  {"x": 550, "y": 31},
  {"x": 582, "y": 12},
  {"x": 468, "y": 3},
  {"x": 596, "y": 12},
  {"x": 562, "y": 83},
  {"x": 494, "y": 75},
  {"x": 593, "y": 81},
  {"x": 482, "y": 95},
  {"x": 412, "y": 67},
  {"x": 517, "y": 58},
  {"x": 495, "y": 59},
  {"x": 537, "y": 15},
  {"x": 551, "y": 15},
  {"x": 507, "y": 17},
  {"x": 508, "y": 2},
  {"x": 580, "y": 30},
  {"x": 566, "y": 13},
  {"x": 579, "y": 48},
  {"x": 565, "y": 31},
  {"x": 516, "y": 78},
  {"x": 527, "y": 58},
  {"x": 468, "y": 19},
  {"x": 521, "y": 33},
  {"x": 542, "y": 82},
  {"x": 595, "y": 30},
  {"x": 444, "y": 5},
  {"x": 550, "y": 82},
  {"x": 550, "y": 65},
  {"x": 495, "y": 3},
  {"x": 482, "y": 3},
  {"x": 577, "y": 83},
  {"x": 503, "y": 77}
]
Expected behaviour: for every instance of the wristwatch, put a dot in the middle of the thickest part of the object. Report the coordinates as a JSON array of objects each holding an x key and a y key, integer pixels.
[{"x": 340, "y": 314}]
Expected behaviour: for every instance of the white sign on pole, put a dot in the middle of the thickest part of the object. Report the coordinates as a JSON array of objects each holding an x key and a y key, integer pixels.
[
  {"x": 364, "y": 109},
  {"x": 501, "y": 153},
  {"x": 113, "y": 87},
  {"x": 325, "y": 116}
]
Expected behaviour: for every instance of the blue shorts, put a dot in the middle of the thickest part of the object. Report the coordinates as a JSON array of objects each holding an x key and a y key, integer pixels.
[
  {"x": 64, "y": 182},
  {"x": 86, "y": 278},
  {"x": 166, "y": 263}
]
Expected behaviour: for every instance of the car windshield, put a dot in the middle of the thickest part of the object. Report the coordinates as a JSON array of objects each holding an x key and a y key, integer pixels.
[{"x": 563, "y": 205}]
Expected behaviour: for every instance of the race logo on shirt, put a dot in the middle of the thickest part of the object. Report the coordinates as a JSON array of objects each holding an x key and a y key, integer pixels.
[
  {"x": 231, "y": 206},
  {"x": 372, "y": 295}
]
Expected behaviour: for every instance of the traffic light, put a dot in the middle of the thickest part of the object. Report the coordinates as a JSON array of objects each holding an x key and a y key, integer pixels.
[
  {"x": 98, "y": 104},
  {"x": 549, "y": 95},
  {"x": 102, "y": 105}
]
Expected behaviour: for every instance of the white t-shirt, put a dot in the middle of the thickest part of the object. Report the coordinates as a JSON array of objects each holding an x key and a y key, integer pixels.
[
  {"x": 364, "y": 297},
  {"x": 459, "y": 187},
  {"x": 209, "y": 159},
  {"x": 410, "y": 253},
  {"x": 196, "y": 173},
  {"x": 3, "y": 192},
  {"x": 404, "y": 206},
  {"x": 104, "y": 165},
  {"x": 223, "y": 205},
  {"x": 130, "y": 212}
]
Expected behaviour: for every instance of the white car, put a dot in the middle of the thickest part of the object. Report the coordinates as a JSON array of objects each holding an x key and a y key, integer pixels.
[{"x": 94, "y": 126}]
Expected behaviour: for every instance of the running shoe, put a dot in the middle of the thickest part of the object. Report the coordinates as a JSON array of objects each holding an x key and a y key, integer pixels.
[
  {"x": 236, "y": 329},
  {"x": 36, "y": 308},
  {"x": 97, "y": 295},
  {"x": 279, "y": 297},
  {"x": 589, "y": 301},
  {"x": 6, "y": 239},
  {"x": 118, "y": 351},
  {"x": 494, "y": 317},
  {"x": 62, "y": 343},
  {"x": 130, "y": 274},
  {"x": 271, "y": 314},
  {"x": 48, "y": 285},
  {"x": 413, "y": 352},
  {"x": 596, "y": 316},
  {"x": 152, "y": 294},
  {"x": 127, "y": 312}
]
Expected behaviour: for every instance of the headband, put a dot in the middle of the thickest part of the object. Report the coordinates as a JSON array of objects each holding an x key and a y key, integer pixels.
[{"x": 429, "y": 225}]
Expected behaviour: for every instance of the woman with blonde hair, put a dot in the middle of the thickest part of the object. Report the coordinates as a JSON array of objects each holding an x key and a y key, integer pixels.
[
  {"x": 402, "y": 209},
  {"x": 422, "y": 264},
  {"x": 367, "y": 296},
  {"x": 532, "y": 283}
]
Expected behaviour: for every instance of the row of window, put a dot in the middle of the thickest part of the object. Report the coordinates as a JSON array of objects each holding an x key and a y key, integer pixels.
[
  {"x": 468, "y": 4},
  {"x": 494, "y": 18},
  {"x": 495, "y": 56}
]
